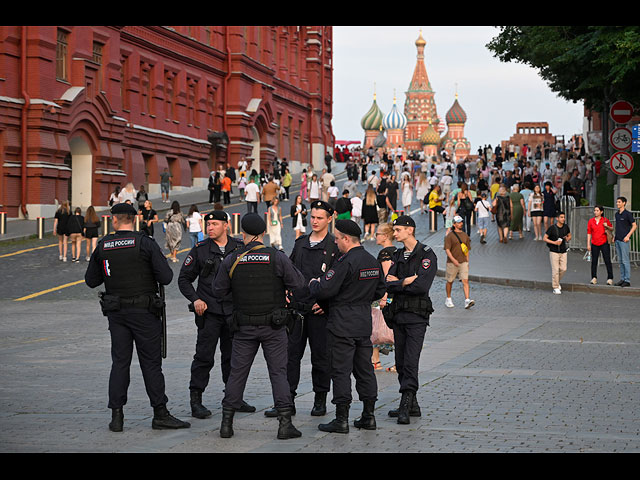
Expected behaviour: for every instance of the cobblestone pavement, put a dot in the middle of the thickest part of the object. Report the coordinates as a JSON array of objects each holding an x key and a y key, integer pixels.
[{"x": 521, "y": 371}]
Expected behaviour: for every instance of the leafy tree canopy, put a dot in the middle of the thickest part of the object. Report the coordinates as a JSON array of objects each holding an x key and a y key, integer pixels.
[{"x": 594, "y": 64}]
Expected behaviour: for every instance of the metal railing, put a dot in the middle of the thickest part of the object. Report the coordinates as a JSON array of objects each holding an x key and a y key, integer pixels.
[{"x": 578, "y": 219}]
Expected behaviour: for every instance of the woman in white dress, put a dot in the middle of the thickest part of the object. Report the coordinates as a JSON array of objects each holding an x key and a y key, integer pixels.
[
  {"x": 298, "y": 214},
  {"x": 422, "y": 189},
  {"x": 275, "y": 224},
  {"x": 407, "y": 194}
]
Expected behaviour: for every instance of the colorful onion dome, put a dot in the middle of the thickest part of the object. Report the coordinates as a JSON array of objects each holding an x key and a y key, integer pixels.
[
  {"x": 456, "y": 114},
  {"x": 394, "y": 120},
  {"x": 430, "y": 136},
  {"x": 372, "y": 120}
]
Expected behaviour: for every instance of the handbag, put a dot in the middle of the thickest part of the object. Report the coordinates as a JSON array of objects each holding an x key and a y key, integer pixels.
[
  {"x": 610, "y": 236},
  {"x": 380, "y": 333}
]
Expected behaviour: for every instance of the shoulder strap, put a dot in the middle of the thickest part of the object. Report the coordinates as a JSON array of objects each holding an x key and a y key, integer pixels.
[{"x": 235, "y": 264}]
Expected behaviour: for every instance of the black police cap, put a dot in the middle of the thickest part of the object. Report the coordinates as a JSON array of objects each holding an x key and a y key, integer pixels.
[
  {"x": 253, "y": 224},
  {"x": 322, "y": 205},
  {"x": 123, "y": 209},
  {"x": 348, "y": 227},
  {"x": 216, "y": 215},
  {"x": 404, "y": 221}
]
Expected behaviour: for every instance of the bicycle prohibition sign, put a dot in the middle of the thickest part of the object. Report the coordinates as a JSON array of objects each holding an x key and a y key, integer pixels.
[{"x": 620, "y": 138}]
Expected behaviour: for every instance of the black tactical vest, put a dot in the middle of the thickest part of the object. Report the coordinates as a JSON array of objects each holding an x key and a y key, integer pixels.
[
  {"x": 125, "y": 272},
  {"x": 255, "y": 287}
]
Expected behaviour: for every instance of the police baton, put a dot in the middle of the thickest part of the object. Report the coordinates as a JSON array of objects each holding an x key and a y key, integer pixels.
[{"x": 163, "y": 317}]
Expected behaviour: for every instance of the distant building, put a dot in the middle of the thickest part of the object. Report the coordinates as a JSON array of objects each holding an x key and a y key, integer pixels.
[
  {"x": 419, "y": 127},
  {"x": 84, "y": 109},
  {"x": 533, "y": 134}
]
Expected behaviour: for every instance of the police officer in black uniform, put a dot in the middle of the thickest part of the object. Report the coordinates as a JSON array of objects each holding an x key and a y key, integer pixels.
[
  {"x": 350, "y": 286},
  {"x": 257, "y": 277},
  {"x": 211, "y": 314},
  {"x": 408, "y": 281},
  {"x": 131, "y": 264},
  {"x": 313, "y": 255}
]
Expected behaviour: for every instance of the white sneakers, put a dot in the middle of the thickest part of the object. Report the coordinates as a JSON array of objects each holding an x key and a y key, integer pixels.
[
  {"x": 594, "y": 281},
  {"x": 557, "y": 291},
  {"x": 468, "y": 303},
  {"x": 610, "y": 281}
]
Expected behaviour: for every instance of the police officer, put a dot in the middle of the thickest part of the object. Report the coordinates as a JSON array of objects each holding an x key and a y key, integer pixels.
[
  {"x": 408, "y": 281},
  {"x": 257, "y": 277},
  {"x": 313, "y": 255},
  {"x": 212, "y": 314},
  {"x": 131, "y": 264},
  {"x": 350, "y": 286}
]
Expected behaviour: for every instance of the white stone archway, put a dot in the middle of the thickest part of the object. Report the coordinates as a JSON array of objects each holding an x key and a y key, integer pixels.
[{"x": 81, "y": 173}]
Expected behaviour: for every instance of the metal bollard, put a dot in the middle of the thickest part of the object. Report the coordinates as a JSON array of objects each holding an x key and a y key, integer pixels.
[
  {"x": 236, "y": 224},
  {"x": 3, "y": 223},
  {"x": 137, "y": 223},
  {"x": 40, "y": 223},
  {"x": 473, "y": 218},
  {"x": 433, "y": 220},
  {"x": 105, "y": 224}
]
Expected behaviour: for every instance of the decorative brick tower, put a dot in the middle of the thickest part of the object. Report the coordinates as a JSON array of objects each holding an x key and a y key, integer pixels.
[
  {"x": 420, "y": 106},
  {"x": 394, "y": 123},
  {"x": 454, "y": 142}
]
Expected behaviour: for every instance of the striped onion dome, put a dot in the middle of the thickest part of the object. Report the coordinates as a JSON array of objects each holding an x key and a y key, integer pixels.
[
  {"x": 456, "y": 114},
  {"x": 394, "y": 120},
  {"x": 430, "y": 136},
  {"x": 380, "y": 140},
  {"x": 372, "y": 120}
]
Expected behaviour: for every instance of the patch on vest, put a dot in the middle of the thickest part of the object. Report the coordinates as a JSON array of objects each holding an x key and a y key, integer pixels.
[
  {"x": 426, "y": 263},
  {"x": 188, "y": 260},
  {"x": 329, "y": 274},
  {"x": 119, "y": 243},
  {"x": 106, "y": 268},
  {"x": 369, "y": 273},
  {"x": 256, "y": 258}
]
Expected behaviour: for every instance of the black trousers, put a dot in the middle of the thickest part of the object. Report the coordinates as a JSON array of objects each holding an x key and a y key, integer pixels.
[
  {"x": 138, "y": 327},
  {"x": 227, "y": 197},
  {"x": 351, "y": 355},
  {"x": 313, "y": 329},
  {"x": 408, "y": 340},
  {"x": 215, "y": 329},
  {"x": 245, "y": 343},
  {"x": 596, "y": 250}
]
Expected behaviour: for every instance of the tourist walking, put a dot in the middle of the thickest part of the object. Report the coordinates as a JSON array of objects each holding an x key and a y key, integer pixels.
[
  {"x": 625, "y": 226},
  {"x": 384, "y": 238},
  {"x": 60, "y": 221},
  {"x": 298, "y": 215},
  {"x": 557, "y": 237},
  {"x": 370, "y": 213},
  {"x": 274, "y": 225},
  {"x": 502, "y": 204},
  {"x": 252, "y": 195},
  {"x": 517, "y": 207},
  {"x": 457, "y": 245},
  {"x": 90, "y": 233},
  {"x": 75, "y": 227},
  {"x": 548, "y": 205},
  {"x": 407, "y": 194},
  {"x": 598, "y": 230},
  {"x": 194, "y": 225},
  {"x": 149, "y": 217},
  {"x": 175, "y": 223},
  {"x": 483, "y": 209},
  {"x": 535, "y": 210}
]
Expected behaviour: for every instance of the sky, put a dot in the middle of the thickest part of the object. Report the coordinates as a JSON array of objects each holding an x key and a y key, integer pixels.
[{"x": 495, "y": 95}]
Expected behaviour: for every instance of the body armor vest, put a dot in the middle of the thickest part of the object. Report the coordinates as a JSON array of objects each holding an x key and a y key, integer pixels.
[
  {"x": 125, "y": 272},
  {"x": 256, "y": 288}
]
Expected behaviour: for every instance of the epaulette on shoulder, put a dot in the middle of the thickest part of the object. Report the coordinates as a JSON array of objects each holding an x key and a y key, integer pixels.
[{"x": 203, "y": 242}]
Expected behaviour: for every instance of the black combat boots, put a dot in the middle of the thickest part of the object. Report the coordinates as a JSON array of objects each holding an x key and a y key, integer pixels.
[
  {"x": 286, "y": 429},
  {"x": 341, "y": 423},
  {"x": 226, "y": 427},
  {"x": 405, "y": 404},
  {"x": 414, "y": 409},
  {"x": 367, "y": 420},
  {"x": 117, "y": 420},
  {"x": 163, "y": 420},
  {"x": 319, "y": 404},
  {"x": 273, "y": 412},
  {"x": 197, "y": 409}
]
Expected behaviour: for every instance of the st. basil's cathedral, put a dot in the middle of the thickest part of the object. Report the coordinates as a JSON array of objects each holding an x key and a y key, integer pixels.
[{"x": 419, "y": 127}]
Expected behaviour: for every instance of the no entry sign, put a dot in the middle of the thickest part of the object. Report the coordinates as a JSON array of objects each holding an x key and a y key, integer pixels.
[
  {"x": 621, "y": 163},
  {"x": 621, "y": 111}
]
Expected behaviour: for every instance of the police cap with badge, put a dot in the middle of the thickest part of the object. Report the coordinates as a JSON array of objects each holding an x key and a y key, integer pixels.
[
  {"x": 321, "y": 204},
  {"x": 123, "y": 209},
  {"x": 348, "y": 227},
  {"x": 216, "y": 215},
  {"x": 404, "y": 221}
]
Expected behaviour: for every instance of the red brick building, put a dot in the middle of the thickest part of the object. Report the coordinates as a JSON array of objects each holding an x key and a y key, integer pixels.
[{"x": 86, "y": 108}]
